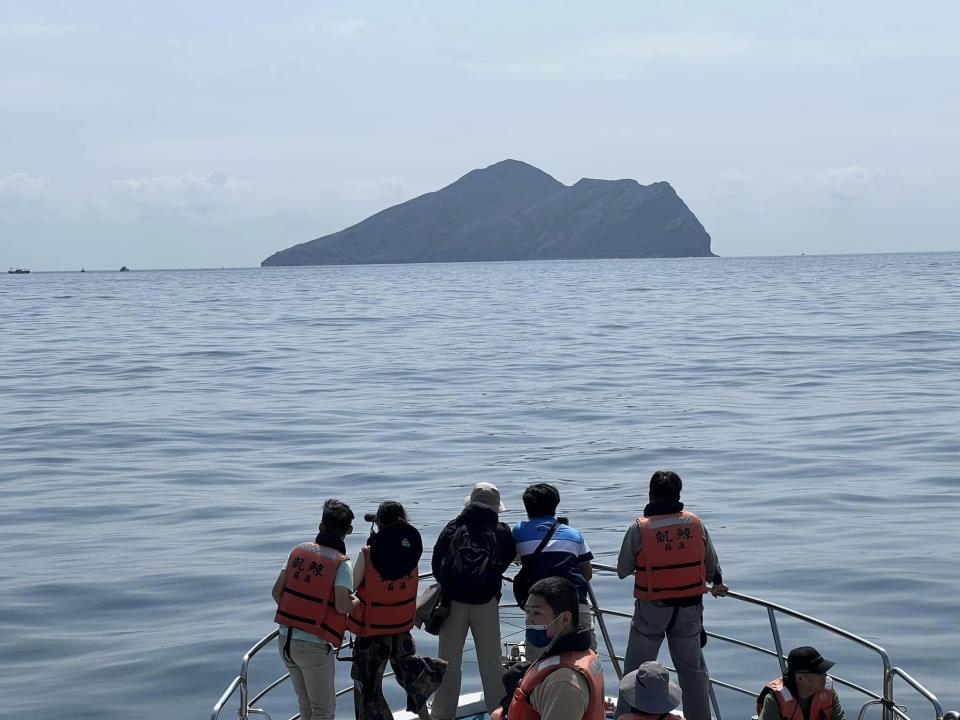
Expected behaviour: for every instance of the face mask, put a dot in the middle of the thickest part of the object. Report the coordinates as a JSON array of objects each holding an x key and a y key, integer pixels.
[{"x": 537, "y": 634}]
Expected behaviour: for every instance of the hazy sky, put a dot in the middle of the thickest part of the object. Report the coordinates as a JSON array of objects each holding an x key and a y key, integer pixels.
[{"x": 200, "y": 134}]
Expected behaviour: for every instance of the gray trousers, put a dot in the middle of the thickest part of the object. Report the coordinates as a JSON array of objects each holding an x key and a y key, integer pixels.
[
  {"x": 647, "y": 630},
  {"x": 483, "y": 622},
  {"x": 312, "y": 673}
]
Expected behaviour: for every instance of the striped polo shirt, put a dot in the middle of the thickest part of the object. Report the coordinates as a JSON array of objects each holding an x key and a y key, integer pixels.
[{"x": 560, "y": 557}]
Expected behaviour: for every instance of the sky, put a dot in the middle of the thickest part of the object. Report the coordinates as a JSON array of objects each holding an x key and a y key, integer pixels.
[{"x": 206, "y": 134}]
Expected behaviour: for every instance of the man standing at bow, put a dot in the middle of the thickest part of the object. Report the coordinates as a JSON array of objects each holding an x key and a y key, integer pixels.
[{"x": 670, "y": 553}]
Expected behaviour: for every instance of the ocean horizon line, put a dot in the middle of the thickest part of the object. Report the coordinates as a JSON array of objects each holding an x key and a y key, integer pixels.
[{"x": 481, "y": 262}]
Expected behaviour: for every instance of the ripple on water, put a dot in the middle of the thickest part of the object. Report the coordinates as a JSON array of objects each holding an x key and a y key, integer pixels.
[{"x": 167, "y": 437}]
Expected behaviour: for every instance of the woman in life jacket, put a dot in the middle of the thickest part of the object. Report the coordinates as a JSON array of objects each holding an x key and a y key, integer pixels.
[
  {"x": 566, "y": 682},
  {"x": 314, "y": 593},
  {"x": 805, "y": 692},
  {"x": 650, "y": 694},
  {"x": 385, "y": 578}
]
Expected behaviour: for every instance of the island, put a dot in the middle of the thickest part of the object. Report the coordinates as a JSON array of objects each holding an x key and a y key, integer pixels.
[{"x": 514, "y": 211}]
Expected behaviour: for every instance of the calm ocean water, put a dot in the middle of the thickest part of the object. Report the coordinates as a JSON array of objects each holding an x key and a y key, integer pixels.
[{"x": 166, "y": 437}]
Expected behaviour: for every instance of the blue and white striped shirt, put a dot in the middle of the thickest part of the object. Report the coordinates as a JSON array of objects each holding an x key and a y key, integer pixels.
[{"x": 560, "y": 557}]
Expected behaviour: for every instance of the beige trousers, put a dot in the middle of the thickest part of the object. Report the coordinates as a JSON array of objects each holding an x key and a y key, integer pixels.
[
  {"x": 312, "y": 674},
  {"x": 483, "y": 622}
]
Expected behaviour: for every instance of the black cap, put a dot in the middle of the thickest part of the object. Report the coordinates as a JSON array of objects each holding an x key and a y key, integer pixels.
[{"x": 807, "y": 659}]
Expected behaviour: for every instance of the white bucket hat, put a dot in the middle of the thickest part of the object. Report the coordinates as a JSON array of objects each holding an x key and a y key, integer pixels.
[{"x": 485, "y": 493}]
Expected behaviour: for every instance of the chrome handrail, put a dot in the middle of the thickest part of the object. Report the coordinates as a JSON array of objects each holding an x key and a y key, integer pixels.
[
  {"x": 863, "y": 710},
  {"x": 231, "y": 688},
  {"x": 898, "y": 672},
  {"x": 890, "y": 709}
]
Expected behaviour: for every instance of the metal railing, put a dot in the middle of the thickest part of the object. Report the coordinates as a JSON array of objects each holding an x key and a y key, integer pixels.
[{"x": 891, "y": 711}]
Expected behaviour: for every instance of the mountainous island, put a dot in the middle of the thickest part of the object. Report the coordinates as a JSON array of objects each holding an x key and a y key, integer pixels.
[{"x": 514, "y": 211}]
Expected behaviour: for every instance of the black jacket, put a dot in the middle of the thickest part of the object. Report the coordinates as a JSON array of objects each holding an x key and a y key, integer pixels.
[{"x": 476, "y": 517}]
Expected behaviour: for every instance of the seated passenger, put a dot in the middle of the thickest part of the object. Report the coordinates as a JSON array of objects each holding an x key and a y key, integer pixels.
[
  {"x": 386, "y": 577},
  {"x": 650, "y": 694},
  {"x": 805, "y": 692},
  {"x": 566, "y": 683}
]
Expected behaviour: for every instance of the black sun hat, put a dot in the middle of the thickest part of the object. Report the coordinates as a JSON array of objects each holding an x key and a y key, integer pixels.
[
  {"x": 395, "y": 551},
  {"x": 807, "y": 659}
]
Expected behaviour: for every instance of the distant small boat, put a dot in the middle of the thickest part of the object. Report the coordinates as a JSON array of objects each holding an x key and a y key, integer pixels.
[
  {"x": 18, "y": 271},
  {"x": 124, "y": 269}
]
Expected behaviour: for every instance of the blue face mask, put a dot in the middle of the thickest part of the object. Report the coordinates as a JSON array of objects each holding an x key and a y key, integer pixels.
[{"x": 536, "y": 635}]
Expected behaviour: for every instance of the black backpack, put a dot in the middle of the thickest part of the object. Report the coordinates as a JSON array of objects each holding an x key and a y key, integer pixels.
[{"x": 471, "y": 560}]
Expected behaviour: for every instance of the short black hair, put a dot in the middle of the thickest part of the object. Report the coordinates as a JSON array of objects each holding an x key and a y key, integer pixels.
[
  {"x": 337, "y": 517},
  {"x": 665, "y": 485},
  {"x": 541, "y": 499},
  {"x": 560, "y": 594},
  {"x": 390, "y": 512}
]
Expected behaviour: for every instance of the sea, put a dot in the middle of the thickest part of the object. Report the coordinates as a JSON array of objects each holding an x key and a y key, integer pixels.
[{"x": 166, "y": 437}]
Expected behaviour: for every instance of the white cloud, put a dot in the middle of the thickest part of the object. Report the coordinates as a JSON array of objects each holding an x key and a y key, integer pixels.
[
  {"x": 531, "y": 67},
  {"x": 618, "y": 57},
  {"x": 677, "y": 46},
  {"x": 38, "y": 31},
  {"x": 26, "y": 199},
  {"x": 385, "y": 189},
  {"x": 20, "y": 187},
  {"x": 194, "y": 199},
  {"x": 848, "y": 182},
  {"x": 787, "y": 191},
  {"x": 191, "y": 199},
  {"x": 344, "y": 28},
  {"x": 184, "y": 192},
  {"x": 733, "y": 184}
]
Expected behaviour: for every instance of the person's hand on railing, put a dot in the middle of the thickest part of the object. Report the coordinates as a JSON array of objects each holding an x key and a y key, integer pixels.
[{"x": 719, "y": 590}]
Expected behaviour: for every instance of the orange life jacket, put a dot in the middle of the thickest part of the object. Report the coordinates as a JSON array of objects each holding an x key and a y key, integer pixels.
[
  {"x": 585, "y": 662},
  {"x": 648, "y": 716},
  {"x": 387, "y": 607},
  {"x": 307, "y": 602},
  {"x": 671, "y": 562},
  {"x": 821, "y": 704}
]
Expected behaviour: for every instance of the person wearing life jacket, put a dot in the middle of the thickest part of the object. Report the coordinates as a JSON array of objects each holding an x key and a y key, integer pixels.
[
  {"x": 650, "y": 694},
  {"x": 313, "y": 594},
  {"x": 386, "y": 578},
  {"x": 566, "y": 682},
  {"x": 805, "y": 692},
  {"x": 669, "y": 553}
]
